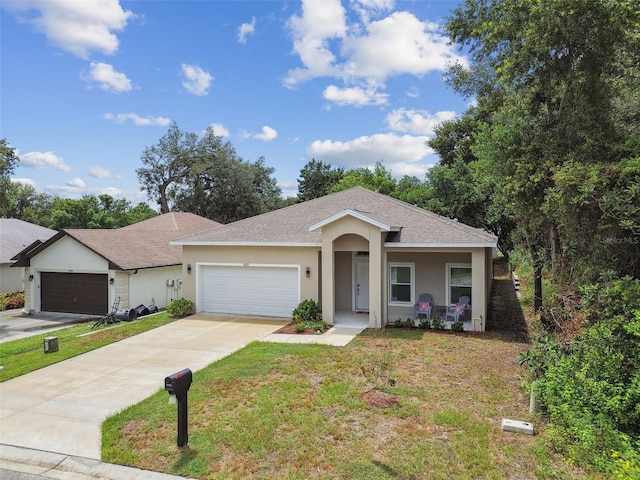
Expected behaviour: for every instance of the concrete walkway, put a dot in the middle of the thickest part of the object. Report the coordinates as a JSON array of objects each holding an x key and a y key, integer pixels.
[{"x": 59, "y": 409}]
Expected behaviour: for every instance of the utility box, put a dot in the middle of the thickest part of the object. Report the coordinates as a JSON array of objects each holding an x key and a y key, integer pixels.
[{"x": 50, "y": 344}]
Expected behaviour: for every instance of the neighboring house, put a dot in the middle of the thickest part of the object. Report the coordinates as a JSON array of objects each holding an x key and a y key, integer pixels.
[
  {"x": 355, "y": 251},
  {"x": 85, "y": 270},
  {"x": 15, "y": 235}
]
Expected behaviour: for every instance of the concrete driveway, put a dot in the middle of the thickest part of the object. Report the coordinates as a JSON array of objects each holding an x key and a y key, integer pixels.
[{"x": 60, "y": 408}]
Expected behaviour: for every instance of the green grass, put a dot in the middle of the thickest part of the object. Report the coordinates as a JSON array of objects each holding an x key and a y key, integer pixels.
[
  {"x": 297, "y": 411},
  {"x": 27, "y": 354}
]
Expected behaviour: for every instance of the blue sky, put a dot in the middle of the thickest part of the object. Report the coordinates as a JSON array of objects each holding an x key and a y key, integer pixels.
[{"x": 87, "y": 85}]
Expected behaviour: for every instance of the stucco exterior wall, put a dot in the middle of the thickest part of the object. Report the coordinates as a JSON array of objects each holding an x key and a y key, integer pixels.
[
  {"x": 10, "y": 278},
  {"x": 302, "y": 256},
  {"x": 69, "y": 255},
  {"x": 149, "y": 286},
  {"x": 430, "y": 275}
]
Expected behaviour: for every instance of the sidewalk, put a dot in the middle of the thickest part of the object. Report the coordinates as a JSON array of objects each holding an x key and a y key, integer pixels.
[{"x": 68, "y": 467}]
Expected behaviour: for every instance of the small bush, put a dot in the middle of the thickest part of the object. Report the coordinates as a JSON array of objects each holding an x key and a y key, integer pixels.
[
  {"x": 11, "y": 300},
  {"x": 424, "y": 324},
  {"x": 438, "y": 324},
  {"x": 181, "y": 308},
  {"x": 457, "y": 326},
  {"x": 307, "y": 311}
]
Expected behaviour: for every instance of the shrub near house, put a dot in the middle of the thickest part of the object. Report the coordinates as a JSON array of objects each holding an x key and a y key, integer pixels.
[{"x": 11, "y": 300}]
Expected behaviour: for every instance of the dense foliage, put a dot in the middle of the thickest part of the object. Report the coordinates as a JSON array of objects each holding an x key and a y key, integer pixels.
[
  {"x": 181, "y": 307},
  {"x": 551, "y": 153},
  {"x": 202, "y": 174}
]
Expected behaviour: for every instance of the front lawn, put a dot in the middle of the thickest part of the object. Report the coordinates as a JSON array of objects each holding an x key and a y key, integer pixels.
[
  {"x": 27, "y": 354},
  {"x": 297, "y": 411}
]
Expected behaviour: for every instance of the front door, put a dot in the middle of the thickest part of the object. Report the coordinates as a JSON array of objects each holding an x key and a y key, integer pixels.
[{"x": 362, "y": 284}]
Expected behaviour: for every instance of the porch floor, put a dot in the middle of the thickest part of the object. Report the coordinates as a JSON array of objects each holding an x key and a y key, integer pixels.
[{"x": 351, "y": 319}]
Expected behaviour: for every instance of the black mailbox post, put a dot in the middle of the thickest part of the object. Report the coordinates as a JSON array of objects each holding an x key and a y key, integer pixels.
[{"x": 178, "y": 384}]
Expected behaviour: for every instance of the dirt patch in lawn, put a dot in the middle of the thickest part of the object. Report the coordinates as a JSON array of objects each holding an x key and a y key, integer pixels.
[{"x": 378, "y": 398}]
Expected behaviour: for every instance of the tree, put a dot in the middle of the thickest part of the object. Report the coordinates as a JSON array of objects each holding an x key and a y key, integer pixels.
[
  {"x": 95, "y": 212},
  {"x": 222, "y": 186},
  {"x": 317, "y": 179},
  {"x": 167, "y": 163},
  {"x": 25, "y": 203},
  {"x": 379, "y": 180},
  {"x": 8, "y": 163}
]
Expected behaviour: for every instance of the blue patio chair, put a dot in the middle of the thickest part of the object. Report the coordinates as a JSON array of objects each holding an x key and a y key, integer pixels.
[
  {"x": 458, "y": 309},
  {"x": 423, "y": 307}
]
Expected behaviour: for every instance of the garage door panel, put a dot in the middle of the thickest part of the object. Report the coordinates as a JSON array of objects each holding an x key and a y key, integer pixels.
[
  {"x": 268, "y": 291},
  {"x": 74, "y": 292}
]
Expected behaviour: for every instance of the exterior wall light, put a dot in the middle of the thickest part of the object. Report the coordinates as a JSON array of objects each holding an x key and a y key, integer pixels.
[
  {"x": 111, "y": 281},
  {"x": 308, "y": 272},
  {"x": 189, "y": 268},
  {"x": 31, "y": 278}
]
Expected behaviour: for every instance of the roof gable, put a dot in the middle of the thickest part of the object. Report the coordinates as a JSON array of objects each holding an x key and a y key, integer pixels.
[
  {"x": 141, "y": 245},
  {"x": 301, "y": 224}
]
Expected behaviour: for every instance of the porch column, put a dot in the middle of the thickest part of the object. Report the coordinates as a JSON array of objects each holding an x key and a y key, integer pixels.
[
  {"x": 375, "y": 279},
  {"x": 328, "y": 273},
  {"x": 479, "y": 286}
]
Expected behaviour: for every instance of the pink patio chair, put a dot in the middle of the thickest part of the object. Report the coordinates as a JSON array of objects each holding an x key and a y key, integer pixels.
[
  {"x": 458, "y": 309},
  {"x": 423, "y": 307}
]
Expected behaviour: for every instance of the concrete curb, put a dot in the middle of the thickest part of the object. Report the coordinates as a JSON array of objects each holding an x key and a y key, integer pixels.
[{"x": 60, "y": 466}]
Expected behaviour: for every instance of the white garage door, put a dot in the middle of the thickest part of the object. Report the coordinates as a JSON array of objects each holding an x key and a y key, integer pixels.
[{"x": 272, "y": 291}]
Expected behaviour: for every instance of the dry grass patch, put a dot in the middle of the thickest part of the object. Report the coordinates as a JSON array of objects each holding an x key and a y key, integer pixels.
[{"x": 298, "y": 411}]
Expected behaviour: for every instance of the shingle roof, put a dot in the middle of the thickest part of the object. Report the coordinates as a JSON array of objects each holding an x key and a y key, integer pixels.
[
  {"x": 141, "y": 245},
  {"x": 290, "y": 225},
  {"x": 16, "y": 234}
]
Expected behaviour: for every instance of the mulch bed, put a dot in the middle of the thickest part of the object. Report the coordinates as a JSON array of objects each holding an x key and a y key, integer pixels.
[{"x": 291, "y": 328}]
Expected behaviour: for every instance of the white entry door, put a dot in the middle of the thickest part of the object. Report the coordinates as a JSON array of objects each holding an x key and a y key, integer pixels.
[{"x": 362, "y": 284}]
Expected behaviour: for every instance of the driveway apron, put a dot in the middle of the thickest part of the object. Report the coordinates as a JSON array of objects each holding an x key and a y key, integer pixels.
[{"x": 60, "y": 408}]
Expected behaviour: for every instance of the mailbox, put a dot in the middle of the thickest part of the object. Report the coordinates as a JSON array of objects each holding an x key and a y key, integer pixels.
[{"x": 178, "y": 385}]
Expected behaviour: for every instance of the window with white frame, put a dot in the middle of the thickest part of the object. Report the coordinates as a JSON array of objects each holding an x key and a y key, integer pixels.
[
  {"x": 401, "y": 283},
  {"x": 458, "y": 282}
]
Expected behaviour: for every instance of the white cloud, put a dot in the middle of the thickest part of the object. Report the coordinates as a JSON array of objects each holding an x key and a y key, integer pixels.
[
  {"x": 79, "y": 27},
  {"x": 44, "y": 160},
  {"x": 76, "y": 183},
  {"x": 402, "y": 155},
  {"x": 356, "y": 96},
  {"x": 107, "y": 78},
  {"x": 413, "y": 92},
  {"x": 138, "y": 120},
  {"x": 245, "y": 30},
  {"x": 369, "y": 51},
  {"x": 24, "y": 181},
  {"x": 267, "y": 134},
  {"x": 319, "y": 23},
  {"x": 417, "y": 122},
  {"x": 99, "y": 172},
  {"x": 196, "y": 80},
  {"x": 220, "y": 130}
]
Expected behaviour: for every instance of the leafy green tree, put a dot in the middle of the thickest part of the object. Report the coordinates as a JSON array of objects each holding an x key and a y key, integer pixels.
[
  {"x": 95, "y": 212},
  {"x": 222, "y": 186},
  {"x": 25, "y": 203},
  {"x": 379, "y": 180},
  {"x": 8, "y": 162},
  {"x": 317, "y": 179},
  {"x": 167, "y": 163}
]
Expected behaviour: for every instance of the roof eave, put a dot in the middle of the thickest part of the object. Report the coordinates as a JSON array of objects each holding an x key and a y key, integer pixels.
[
  {"x": 442, "y": 245},
  {"x": 352, "y": 213},
  {"x": 205, "y": 243}
]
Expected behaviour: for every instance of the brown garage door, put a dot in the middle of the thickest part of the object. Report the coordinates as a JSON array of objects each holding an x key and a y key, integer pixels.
[{"x": 74, "y": 292}]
